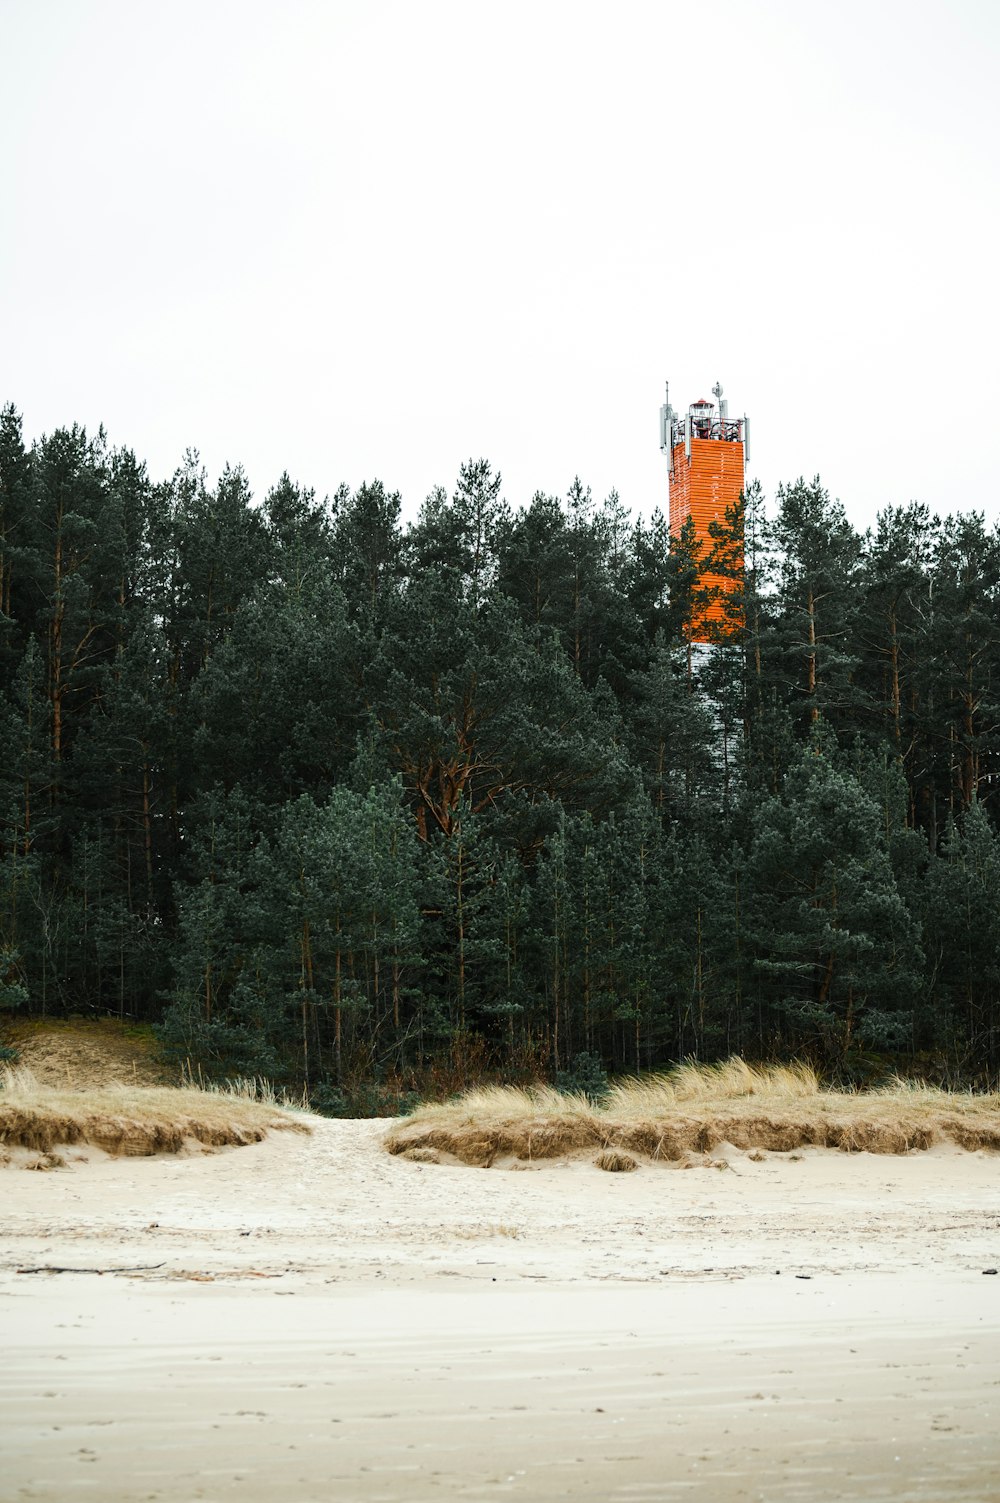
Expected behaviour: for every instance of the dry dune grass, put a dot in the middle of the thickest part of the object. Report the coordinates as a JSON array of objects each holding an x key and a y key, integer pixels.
[
  {"x": 692, "y": 1109},
  {"x": 125, "y": 1119},
  {"x": 536, "y": 1122},
  {"x": 613, "y": 1161}
]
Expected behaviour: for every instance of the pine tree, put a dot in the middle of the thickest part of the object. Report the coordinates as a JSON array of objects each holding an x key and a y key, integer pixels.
[
  {"x": 961, "y": 916},
  {"x": 835, "y": 949},
  {"x": 817, "y": 600}
]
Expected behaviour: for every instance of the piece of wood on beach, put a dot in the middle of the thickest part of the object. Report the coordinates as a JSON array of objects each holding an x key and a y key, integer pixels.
[{"x": 57, "y": 1268}]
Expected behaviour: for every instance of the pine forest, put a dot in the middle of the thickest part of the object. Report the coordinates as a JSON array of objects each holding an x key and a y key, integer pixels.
[{"x": 383, "y": 809}]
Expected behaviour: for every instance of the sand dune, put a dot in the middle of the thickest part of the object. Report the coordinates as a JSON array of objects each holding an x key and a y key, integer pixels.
[{"x": 309, "y": 1318}]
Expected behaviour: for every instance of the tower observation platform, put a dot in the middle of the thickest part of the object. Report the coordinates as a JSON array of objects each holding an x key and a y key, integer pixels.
[{"x": 707, "y": 452}]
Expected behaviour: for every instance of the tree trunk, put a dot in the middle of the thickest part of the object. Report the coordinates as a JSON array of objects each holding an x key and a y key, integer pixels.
[
  {"x": 894, "y": 661},
  {"x": 338, "y": 1061},
  {"x": 811, "y": 659},
  {"x": 306, "y": 981},
  {"x": 56, "y": 642},
  {"x": 147, "y": 832},
  {"x": 460, "y": 919}
]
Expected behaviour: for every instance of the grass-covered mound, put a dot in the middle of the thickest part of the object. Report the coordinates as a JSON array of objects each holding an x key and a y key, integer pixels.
[
  {"x": 127, "y": 1119},
  {"x": 692, "y": 1109},
  {"x": 84, "y": 1052}
]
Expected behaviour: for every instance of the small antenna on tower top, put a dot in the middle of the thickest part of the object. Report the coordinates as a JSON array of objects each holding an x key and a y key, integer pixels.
[
  {"x": 723, "y": 406},
  {"x": 666, "y": 427}
]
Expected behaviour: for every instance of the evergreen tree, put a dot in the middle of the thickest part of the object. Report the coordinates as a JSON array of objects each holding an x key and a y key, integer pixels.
[
  {"x": 835, "y": 949},
  {"x": 817, "y": 600},
  {"x": 962, "y": 938}
]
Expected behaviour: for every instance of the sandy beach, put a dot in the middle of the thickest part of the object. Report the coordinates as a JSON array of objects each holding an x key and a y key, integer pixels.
[{"x": 311, "y": 1318}]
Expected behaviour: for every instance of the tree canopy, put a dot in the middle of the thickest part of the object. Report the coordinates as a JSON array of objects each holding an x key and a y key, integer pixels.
[{"x": 376, "y": 806}]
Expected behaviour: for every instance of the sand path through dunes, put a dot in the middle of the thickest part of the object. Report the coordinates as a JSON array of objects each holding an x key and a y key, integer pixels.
[{"x": 328, "y": 1321}]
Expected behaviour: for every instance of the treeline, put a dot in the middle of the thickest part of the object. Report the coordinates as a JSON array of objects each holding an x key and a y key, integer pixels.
[{"x": 379, "y": 808}]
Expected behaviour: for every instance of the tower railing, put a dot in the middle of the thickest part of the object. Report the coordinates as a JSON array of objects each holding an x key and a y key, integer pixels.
[{"x": 725, "y": 430}]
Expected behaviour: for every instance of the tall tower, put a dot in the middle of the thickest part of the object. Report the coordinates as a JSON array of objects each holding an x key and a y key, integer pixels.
[{"x": 707, "y": 451}]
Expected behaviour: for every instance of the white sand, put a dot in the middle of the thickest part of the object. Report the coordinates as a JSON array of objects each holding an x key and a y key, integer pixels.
[{"x": 328, "y": 1322}]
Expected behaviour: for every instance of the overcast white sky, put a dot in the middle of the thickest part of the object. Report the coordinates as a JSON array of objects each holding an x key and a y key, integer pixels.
[{"x": 359, "y": 237}]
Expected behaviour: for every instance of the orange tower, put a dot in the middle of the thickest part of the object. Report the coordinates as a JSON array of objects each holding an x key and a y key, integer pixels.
[{"x": 707, "y": 451}]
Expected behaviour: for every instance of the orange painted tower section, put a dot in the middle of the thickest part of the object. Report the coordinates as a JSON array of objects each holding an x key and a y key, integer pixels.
[{"x": 707, "y": 452}]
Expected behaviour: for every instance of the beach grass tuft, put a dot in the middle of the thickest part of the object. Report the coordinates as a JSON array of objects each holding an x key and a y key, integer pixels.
[
  {"x": 613, "y": 1161},
  {"x": 692, "y": 1109},
  {"x": 131, "y": 1120}
]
